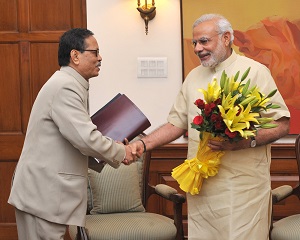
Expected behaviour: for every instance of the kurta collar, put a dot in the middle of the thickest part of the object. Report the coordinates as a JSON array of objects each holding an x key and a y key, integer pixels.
[
  {"x": 76, "y": 75},
  {"x": 227, "y": 62}
]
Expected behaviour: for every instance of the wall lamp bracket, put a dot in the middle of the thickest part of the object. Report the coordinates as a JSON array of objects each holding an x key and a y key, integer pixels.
[{"x": 147, "y": 12}]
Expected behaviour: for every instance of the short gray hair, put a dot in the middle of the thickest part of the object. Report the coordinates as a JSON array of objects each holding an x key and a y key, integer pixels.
[{"x": 221, "y": 22}]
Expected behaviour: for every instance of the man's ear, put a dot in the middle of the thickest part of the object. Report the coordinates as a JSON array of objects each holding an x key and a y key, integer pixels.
[
  {"x": 227, "y": 37},
  {"x": 74, "y": 56}
]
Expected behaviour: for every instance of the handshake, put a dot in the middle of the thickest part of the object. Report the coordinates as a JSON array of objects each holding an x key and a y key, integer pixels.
[{"x": 133, "y": 150}]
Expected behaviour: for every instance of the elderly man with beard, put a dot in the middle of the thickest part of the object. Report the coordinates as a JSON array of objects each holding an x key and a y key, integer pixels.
[{"x": 236, "y": 203}]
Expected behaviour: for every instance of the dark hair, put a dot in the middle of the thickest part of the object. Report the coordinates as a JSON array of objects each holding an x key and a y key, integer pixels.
[{"x": 72, "y": 39}]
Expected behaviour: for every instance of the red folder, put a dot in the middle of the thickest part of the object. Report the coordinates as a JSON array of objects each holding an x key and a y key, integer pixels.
[{"x": 120, "y": 118}]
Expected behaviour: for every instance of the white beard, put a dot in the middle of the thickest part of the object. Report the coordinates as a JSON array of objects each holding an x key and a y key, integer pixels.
[{"x": 215, "y": 57}]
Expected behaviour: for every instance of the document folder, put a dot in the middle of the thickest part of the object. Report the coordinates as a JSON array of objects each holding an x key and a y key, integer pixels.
[{"x": 120, "y": 118}]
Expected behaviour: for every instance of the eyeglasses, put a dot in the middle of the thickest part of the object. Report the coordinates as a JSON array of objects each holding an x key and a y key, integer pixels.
[
  {"x": 204, "y": 40},
  {"x": 94, "y": 51}
]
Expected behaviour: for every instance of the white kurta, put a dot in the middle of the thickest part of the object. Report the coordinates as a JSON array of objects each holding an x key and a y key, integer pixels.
[{"x": 236, "y": 203}]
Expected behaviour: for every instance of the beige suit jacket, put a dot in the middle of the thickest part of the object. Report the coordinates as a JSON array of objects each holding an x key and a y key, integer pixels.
[{"x": 50, "y": 180}]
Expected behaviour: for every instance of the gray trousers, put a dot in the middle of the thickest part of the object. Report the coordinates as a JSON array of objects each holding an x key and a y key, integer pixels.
[{"x": 33, "y": 228}]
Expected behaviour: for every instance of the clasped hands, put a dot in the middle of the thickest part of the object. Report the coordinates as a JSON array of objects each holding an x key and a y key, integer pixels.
[{"x": 133, "y": 151}]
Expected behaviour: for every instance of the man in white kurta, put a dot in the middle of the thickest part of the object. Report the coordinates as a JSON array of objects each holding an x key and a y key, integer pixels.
[{"x": 236, "y": 203}]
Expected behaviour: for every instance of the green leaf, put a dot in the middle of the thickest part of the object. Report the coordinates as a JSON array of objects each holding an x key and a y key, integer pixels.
[
  {"x": 258, "y": 109},
  {"x": 201, "y": 135},
  {"x": 274, "y": 106},
  {"x": 235, "y": 92},
  {"x": 271, "y": 94},
  {"x": 193, "y": 125}
]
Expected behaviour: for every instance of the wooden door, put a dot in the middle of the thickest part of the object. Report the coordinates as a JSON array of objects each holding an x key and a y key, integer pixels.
[{"x": 29, "y": 35}]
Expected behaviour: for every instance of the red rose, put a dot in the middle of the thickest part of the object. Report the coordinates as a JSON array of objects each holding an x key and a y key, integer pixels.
[
  {"x": 218, "y": 101},
  {"x": 212, "y": 105},
  {"x": 220, "y": 118},
  {"x": 214, "y": 117},
  {"x": 219, "y": 125},
  {"x": 200, "y": 103},
  {"x": 230, "y": 134},
  {"x": 198, "y": 120},
  {"x": 207, "y": 109}
]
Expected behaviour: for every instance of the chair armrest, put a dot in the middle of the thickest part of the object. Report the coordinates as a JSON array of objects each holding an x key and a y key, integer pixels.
[
  {"x": 178, "y": 199},
  {"x": 169, "y": 193},
  {"x": 281, "y": 193}
]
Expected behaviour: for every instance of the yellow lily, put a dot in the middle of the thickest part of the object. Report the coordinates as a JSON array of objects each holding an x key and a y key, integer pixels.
[
  {"x": 262, "y": 102},
  {"x": 238, "y": 119},
  {"x": 249, "y": 133},
  {"x": 247, "y": 116},
  {"x": 213, "y": 91},
  {"x": 228, "y": 101}
]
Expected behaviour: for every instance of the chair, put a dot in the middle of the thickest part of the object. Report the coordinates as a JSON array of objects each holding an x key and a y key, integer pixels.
[
  {"x": 287, "y": 228},
  {"x": 116, "y": 205}
]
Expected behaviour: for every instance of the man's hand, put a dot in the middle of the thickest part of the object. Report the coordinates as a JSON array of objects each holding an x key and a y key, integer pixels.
[
  {"x": 130, "y": 155},
  {"x": 137, "y": 147},
  {"x": 263, "y": 137},
  {"x": 226, "y": 145}
]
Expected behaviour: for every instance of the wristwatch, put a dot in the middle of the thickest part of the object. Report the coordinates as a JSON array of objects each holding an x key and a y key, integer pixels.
[{"x": 253, "y": 142}]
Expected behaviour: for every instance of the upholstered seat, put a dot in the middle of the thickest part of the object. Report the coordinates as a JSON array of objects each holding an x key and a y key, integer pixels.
[
  {"x": 116, "y": 206},
  {"x": 135, "y": 225},
  {"x": 287, "y": 228}
]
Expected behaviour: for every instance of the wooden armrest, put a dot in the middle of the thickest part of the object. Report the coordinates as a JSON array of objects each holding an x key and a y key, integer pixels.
[{"x": 296, "y": 191}]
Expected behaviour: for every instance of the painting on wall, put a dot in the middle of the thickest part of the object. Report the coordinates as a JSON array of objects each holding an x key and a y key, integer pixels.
[{"x": 267, "y": 31}]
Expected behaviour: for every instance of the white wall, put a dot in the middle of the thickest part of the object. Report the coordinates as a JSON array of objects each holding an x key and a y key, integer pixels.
[{"x": 120, "y": 32}]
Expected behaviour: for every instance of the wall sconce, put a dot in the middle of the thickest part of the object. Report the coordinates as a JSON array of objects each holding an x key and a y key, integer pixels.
[{"x": 147, "y": 12}]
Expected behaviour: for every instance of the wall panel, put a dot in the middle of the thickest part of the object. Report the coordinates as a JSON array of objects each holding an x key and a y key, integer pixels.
[
  {"x": 8, "y": 19},
  {"x": 45, "y": 53},
  {"x": 51, "y": 15},
  {"x": 10, "y": 88}
]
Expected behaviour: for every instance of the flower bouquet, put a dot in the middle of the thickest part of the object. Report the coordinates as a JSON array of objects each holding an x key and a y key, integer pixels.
[{"x": 230, "y": 111}]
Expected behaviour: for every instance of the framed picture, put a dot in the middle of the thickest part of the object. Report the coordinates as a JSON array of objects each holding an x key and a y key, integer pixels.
[{"x": 267, "y": 31}]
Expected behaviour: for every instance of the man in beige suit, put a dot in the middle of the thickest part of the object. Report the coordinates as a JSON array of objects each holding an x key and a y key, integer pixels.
[{"x": 49, "y": 189}]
